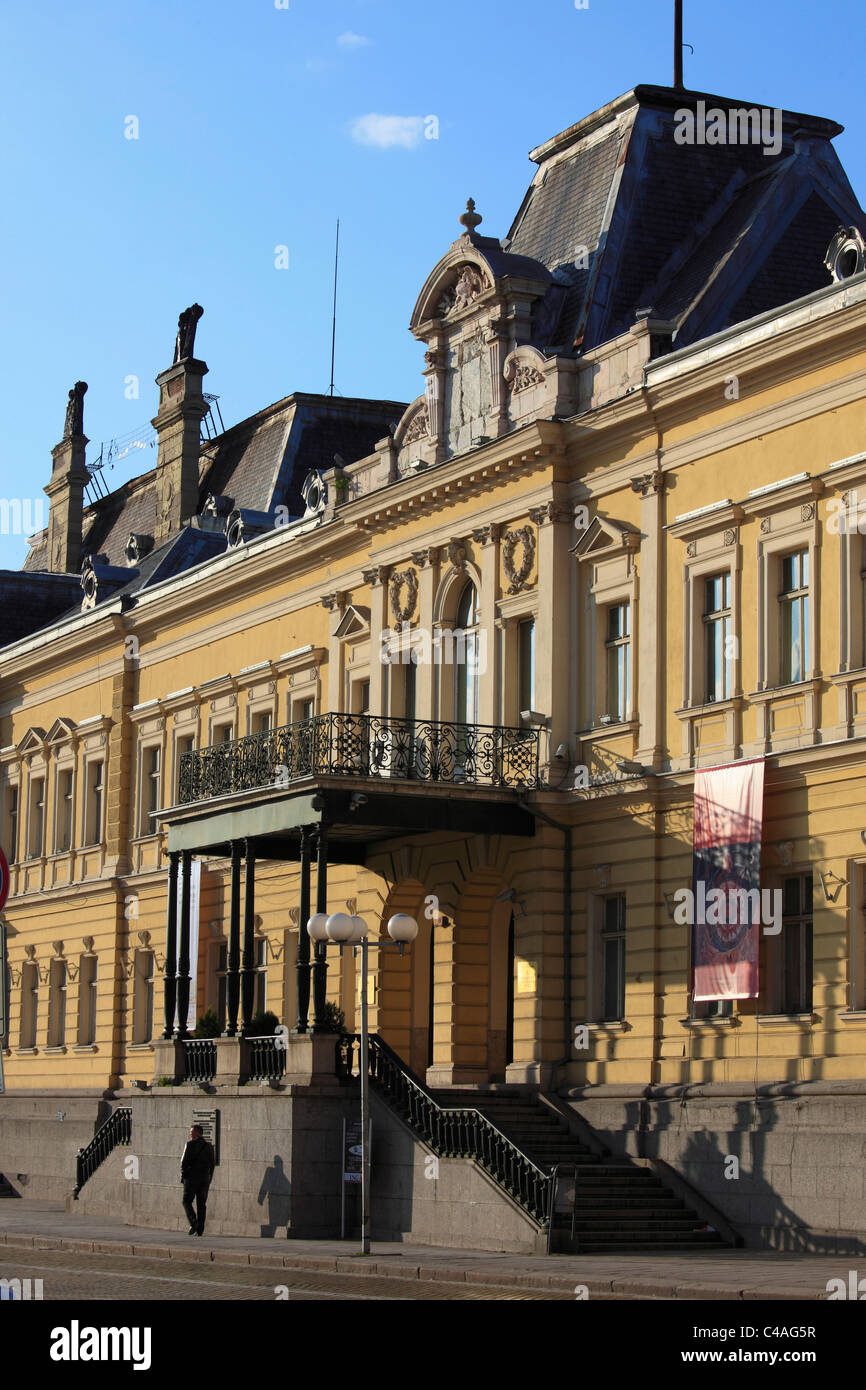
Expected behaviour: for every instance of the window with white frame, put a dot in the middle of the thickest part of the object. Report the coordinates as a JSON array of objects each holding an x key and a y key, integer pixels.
[
  {"x": 57, "y": 1003},
  {"x": 11, "y": 823},
  {"x": 29, "y": 1003},
  {"x": 87, "y": 1000},
  {"x": 185, "y": 744},
  {"x": 93, "y": 802},
  {"x": 151, "y": 787},
  {"x": 261, "y": 979},
  {"x": 37, "y": 817},
  {"x": 261, "y": 721},
  {"x": 610, "y": 945},
  {"x": 618, "y": 662},
  {"x": 525, "y": 667},
  {"x": 794, "y": 643},
  {"x": 718, "y": 665},
  {"x": 63, "y": 811},
  {"x": 142, "y": 1005},
  {"x": 796, "y": 955}
]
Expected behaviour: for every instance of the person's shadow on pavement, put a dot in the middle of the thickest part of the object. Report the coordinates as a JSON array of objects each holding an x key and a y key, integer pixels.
[{"x": 278, "y": 1191}]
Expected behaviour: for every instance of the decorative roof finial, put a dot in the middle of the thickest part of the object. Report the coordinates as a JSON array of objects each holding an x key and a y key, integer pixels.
[{"x": 470, "y": 218}]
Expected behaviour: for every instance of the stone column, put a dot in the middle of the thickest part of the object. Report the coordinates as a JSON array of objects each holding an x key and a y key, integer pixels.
[
  {"x": 65, "y": 491},
  {"x": 487, "y": 538},
  {"x": 650, "y": 622},
  {"x": 182, "y": 407},
  {"x": 335, "y": 603},
  {"x": 377, "y": 578},
  {"x": 554, "y": 535},
  {"x": 426, "y": 562}
]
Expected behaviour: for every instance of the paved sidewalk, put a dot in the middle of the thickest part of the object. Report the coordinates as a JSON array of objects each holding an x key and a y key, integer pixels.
[{"x": 727, "y": 1274}]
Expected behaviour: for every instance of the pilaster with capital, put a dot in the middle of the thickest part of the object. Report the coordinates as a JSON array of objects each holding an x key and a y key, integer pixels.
[
  {"x": 377, "y": 577},
  {"x": 486, "y": 540},
  {"x": 649, "y": 621},
  {"x": 426, "y": 562},
  {"x": 436, "y": 358}
]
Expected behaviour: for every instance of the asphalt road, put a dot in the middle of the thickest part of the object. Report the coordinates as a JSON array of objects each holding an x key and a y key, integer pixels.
[{"x": 91, "y": 1277}]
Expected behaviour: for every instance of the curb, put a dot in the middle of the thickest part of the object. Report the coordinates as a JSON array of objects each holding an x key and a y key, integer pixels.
[{"x": 609, "y": 1287}]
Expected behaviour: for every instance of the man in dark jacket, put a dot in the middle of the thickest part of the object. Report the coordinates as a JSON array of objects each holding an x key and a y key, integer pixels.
[{"x": 196, "y": 1171}]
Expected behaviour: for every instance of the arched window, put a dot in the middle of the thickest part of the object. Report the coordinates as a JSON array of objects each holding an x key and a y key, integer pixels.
[{"x": 466, "y": 657}]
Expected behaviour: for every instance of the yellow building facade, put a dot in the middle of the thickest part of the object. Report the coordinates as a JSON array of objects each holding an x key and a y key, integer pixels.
[{"x": 488, "y": 653}]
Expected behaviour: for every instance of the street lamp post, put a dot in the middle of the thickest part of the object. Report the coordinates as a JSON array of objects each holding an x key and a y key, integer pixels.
[{"x": 346, "y": 930}]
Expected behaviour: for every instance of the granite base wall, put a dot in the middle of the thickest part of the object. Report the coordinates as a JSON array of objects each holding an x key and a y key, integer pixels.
[
  {"x": 278, "y": 1172},
  {"x": 446, "y": 1201},
  {"x": 800, "y": 1151},
  {"x": 37, "y": 1147}
]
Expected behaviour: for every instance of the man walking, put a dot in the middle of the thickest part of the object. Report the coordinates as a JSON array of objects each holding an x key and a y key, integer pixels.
[{"x": 196, "y": 1171}]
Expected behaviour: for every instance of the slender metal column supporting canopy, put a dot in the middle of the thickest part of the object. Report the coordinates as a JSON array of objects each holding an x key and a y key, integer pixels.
[
  {"x": 233, "y": 958},
  {"x": 303, "y": 962},
  {"x": 320, "y": 965},
  {"x": 248, "y": 967},
  {"x": 183, "y": 977},
  {"x": 171, "y": 947}
]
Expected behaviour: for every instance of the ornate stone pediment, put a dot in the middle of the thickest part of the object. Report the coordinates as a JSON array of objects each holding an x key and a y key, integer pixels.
[{"x": 604, "y": 537}]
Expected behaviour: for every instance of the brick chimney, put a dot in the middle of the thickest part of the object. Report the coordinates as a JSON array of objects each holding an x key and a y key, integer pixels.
[
  {"x": 178, "y": 425},
  {"x": 65, "y": 492}
]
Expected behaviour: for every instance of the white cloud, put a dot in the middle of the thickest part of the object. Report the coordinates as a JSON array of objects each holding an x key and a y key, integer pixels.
[
  {"x": 385, "y": 132},
  {"x": 350, "y": 40}
]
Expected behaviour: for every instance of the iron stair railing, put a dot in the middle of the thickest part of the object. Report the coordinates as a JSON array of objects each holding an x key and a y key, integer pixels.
[
  {"x": 454, "y": 1132},
  {"x": 116, "y": 1130}
]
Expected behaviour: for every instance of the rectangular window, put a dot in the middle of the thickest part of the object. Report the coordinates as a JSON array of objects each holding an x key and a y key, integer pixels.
[
  {"x": 613, "y": 958},
  {"x": 526, "y": 666},
  {"x": 12, "y": 824},
  {"x": 262, "y": 723},
  {"x": 184, "y": 745},
  {"x": 305, "y": 709},
  {"x": 142, "y": 1026},
  {"x": 221, "y": 968},
  {"x": 717, "y": 634},
  {"x": 57, "y": 1004},
  {"x": 29, "y": 1003},
  {"x": 794, "y": 617},
  {"x": 261, "y": 975},
  {"x": 618, "y": 650},
  {"x": 37, "y": 817},
  {"x": 797, "y": 945},
  {"x": 87, "y": 1001},
  {"x": 93, "y": 810},
  {"x": 64, "y": 811}
]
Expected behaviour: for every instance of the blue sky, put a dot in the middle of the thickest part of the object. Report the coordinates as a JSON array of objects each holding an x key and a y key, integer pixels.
[{"x": 256, "y": 129}]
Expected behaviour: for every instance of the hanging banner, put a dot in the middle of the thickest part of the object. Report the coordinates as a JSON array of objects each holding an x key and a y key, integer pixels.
[
  {"x": 726, "y": 902},
  {"x": 194, "y": 898}
]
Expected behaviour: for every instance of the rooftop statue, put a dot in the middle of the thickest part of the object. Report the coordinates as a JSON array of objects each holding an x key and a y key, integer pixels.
[
  {"x": 74, "y": 423},
  {"x": 186, "y": 325}
]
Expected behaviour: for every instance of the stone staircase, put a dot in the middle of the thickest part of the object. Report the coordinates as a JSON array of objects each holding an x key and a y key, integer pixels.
[{"x": 617, "y": 1206}]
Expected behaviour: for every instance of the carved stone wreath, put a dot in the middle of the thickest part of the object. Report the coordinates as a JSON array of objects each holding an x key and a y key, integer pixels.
[
  {"x": 522, "y": 377},
  {"x": 418, "y": 428},
  {"x": 403, "y": 611},
  {"x": 518, "y": 574}
]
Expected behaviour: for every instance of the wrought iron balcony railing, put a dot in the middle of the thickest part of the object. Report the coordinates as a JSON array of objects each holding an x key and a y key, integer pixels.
[{"x": 363, "y": 745}]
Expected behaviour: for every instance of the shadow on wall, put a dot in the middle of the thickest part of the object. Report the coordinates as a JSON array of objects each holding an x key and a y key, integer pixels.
[
  {"x": 744, "y": 1190},
  {"x": 276, "y": 1191}
]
